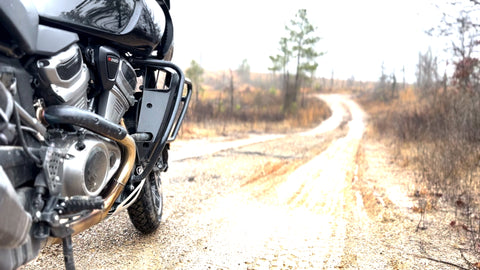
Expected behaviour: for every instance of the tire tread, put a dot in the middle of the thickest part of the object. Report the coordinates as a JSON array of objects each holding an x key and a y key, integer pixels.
[{"x": 142, "y": 212}]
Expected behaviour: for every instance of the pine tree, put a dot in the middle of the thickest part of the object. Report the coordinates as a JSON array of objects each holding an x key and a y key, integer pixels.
[{"x": 299, "y": 45}]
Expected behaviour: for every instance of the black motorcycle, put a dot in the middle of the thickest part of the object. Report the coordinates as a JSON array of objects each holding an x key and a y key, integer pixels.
[{"x": 89, "y": 103}]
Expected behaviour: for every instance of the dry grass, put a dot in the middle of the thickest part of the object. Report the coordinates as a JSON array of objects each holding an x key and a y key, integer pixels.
[
  {"x": 255, "y": 110},
  {"x": 438, "y": 137}
]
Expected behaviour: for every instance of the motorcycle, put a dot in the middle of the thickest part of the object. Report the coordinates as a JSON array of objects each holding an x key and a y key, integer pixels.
[{"x": 89, "y": 104}]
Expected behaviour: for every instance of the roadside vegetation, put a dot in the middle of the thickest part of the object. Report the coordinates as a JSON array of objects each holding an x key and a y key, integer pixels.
[
  {"x": 256, "y": 107},
  {"x": 434, "y": 127}
]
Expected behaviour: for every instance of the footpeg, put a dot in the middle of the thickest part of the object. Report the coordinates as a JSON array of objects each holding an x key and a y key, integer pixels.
[{"x": 76, "y": 204}]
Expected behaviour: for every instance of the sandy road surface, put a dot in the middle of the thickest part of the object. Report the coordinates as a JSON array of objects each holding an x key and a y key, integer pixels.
[
  {"x": 268, "y": 202},
  {"x": 201, "y": 147},
  {"x": 292, "y": 220}
]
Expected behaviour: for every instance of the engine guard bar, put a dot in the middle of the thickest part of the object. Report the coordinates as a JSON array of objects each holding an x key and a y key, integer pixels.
[
  {"x": 165, "y": 131},
  {"x": 185, "y": 101}
]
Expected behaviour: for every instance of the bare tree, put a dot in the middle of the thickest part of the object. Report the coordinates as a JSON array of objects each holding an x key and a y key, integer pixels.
[
  {"x": 394, "y": 86},
  {"x": 243, "y": 71},
  {"x": 332, "y": 81},
  {"x": 381, "y": 87},
  {"x": 427, "y": 75},
  {"x": 231, "y": 92},
  {"x": 351, "y": 82},
  {"x": 462, "y": 28}
]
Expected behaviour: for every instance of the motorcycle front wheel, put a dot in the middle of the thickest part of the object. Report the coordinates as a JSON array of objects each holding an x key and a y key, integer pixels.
[{"x": 146, "y": 212}]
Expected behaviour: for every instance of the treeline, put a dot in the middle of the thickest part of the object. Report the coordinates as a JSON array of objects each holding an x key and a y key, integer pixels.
[{"x": 232, "y": 101}]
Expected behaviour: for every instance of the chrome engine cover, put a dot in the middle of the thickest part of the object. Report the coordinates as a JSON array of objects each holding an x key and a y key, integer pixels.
[
  {"x": 113, "y": 104},
  {"x": 67, "y": 76},
  {"x": 88, "y": 164}
]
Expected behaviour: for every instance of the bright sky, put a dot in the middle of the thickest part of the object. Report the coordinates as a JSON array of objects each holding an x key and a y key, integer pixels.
[{"x": 357, "y": 36}]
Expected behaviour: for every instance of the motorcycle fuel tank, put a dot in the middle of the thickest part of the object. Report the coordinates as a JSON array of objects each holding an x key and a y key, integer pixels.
[
  {"x": 135, "y": 25},
  {"x": 20, "y": 31}
]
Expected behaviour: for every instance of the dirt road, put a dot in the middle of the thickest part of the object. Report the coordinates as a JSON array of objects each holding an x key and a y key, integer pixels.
[
  {"x": 290, "y": 214},
  {"x": 321, "y": 199}
]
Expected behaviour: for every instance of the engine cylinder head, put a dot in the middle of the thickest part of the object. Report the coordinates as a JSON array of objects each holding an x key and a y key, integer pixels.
[
  {"x": 67, "y": 77},
  {"x": 114, "y": 103}
]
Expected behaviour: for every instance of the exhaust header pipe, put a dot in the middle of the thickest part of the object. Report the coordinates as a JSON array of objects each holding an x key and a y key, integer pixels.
[{"x": 63, "y": 114}]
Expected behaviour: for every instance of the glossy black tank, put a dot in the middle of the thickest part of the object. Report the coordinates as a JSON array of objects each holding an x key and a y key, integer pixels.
[{"x": 135, "y": 25}]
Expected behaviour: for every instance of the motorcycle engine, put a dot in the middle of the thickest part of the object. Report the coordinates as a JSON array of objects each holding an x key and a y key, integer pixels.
[
  {"x": 83, "y": 165},
  {"x": 67, "y": 77},
  {"x": 114, "y": 103}
]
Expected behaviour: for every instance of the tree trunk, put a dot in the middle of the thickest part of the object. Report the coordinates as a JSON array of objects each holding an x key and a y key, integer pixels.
[
  {"x": 231, "y": 92},
  {"x": 296, "y": 87},
  {"x": 287, "y": 102}
]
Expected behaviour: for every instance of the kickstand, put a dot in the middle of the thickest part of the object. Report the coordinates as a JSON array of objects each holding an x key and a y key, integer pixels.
[{"x": 68, "y": 252}]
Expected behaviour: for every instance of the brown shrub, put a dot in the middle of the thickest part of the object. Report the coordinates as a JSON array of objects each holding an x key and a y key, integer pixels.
[
  {"x": 255, "y": 110},
  {"x": 443, "y": 134}
]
